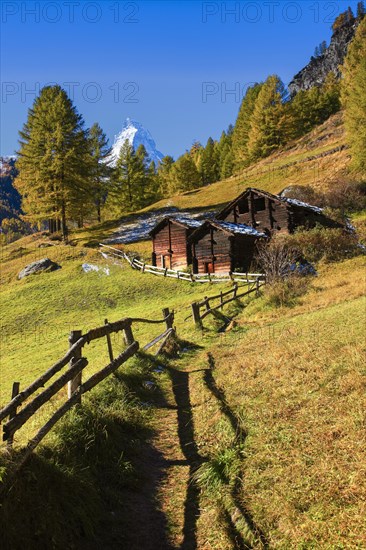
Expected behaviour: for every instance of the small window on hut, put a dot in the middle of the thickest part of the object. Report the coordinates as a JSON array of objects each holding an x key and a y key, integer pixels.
[
  {"x": 243, "y": 206},
  {"x": 259, "y": 204}
]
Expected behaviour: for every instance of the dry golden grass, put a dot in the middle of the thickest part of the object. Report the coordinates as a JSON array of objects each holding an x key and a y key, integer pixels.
[
  {"x": 296, "y": 380},
  {"x": 292, "y": 165}
]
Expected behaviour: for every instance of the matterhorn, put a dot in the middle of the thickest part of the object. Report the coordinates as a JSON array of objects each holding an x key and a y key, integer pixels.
[{"x": 136, "y": 134}]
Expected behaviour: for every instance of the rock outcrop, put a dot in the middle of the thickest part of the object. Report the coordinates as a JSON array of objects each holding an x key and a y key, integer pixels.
[
  {"x": 315, "y": 73},
  {"x": 43, "y": 265}
]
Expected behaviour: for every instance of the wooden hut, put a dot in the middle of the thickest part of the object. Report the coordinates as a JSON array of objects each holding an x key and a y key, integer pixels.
[
  {"x": 272, "y": 213},
  {"x": 222, "y": 247},
  {"x": 170, "y": 242}
]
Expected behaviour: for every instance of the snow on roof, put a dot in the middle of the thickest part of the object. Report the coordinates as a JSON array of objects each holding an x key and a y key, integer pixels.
[
  {"x": 186, "y": 221},
  {"x": 238, "y": 228},
  {"x": 296, "y": 202}
]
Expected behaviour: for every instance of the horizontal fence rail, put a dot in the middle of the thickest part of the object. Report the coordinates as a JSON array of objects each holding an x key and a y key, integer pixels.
[
  {"x": 253, "y": 287},
  {"x": 181, "y": 275},
  {"x": 73, "y": 376}
]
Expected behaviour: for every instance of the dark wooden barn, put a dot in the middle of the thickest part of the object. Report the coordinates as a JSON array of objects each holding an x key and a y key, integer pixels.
[
  {"x": 222, "y": 247},
  {"x": 272, "y": 213},
  {"x": 170, "y": 242}
]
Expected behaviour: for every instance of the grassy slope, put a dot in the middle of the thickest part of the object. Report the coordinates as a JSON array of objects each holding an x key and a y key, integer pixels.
[
  {"x": 292, "y": 378},
  {"x": 39, "y": 311},
  {"x": 286, "y": 167},
  {"x": 295, "y": 379}
]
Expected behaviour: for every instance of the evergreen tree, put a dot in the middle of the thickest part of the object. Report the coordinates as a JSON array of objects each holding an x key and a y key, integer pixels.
[
  {"x": 317, "y": 52},
  {"x": 135, "y": 182},
  {"x": 360, "y": 10},
  {"x": 269, "y": 124},
  {"x": 152, "y": 184},
  {"x": 350, "y": 17},
  {"x": 323, "y": 47},
  {"x": 353, "y": 94},
  {"x": 164, "y": 176},
  {"x": 240, "y": 134},
  {"x": 100, "y": 169},
  {"x": 185, "y": 175},
  {"x": 209, "y": 163},
  {"x": 225, "y": 154},
  {"x": 54, "y": 159},
  {"x": 330, "y": 102},
  {"x": 125, "y": 177}
]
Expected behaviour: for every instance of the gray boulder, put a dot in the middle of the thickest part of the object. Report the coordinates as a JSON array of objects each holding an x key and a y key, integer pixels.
[{"x": 43, "y": 265}]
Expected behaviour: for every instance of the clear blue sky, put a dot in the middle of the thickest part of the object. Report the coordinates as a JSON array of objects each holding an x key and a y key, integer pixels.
[{"x": 152, "y": 61}]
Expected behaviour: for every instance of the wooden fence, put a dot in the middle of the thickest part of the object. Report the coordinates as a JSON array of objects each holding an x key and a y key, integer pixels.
[
  {"x": 235, "y": 293},
  {"x": 182, "y": 275},
  {"x": 73, "y": 376}
]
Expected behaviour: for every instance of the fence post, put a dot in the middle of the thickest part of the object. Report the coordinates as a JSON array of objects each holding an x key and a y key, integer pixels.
[
  {"x": 169, "y": 318},
  {"x": 14, "y": 393},
  {"x": 257, "y": 287},
  {"x": 235, "y": 290},
  {"x": 109, "y": 342},
  {"x": 221, "y": 299},
  {"x": 207, "y": 303},
  {"x": 196, "y": 314},
  {"x": 128, "y": 335},
  {"x": 73, "y": 385}
]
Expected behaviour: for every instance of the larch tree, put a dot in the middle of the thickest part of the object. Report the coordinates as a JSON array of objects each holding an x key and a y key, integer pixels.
[
  {"x": 124, "y": 179},
  {"x": 209, "y": 164},
  {"x": 270, "y": 122},
  {"x": 164, "y": 175},
  {"x": 53, "y": 160},
  {"x": 185, "y": 175},
  {"x": 100, "y": 167},
  {"x": 361, "y": 9},
  {"x": 242, "y": 127},
  {"x": 353, "y": 96}
]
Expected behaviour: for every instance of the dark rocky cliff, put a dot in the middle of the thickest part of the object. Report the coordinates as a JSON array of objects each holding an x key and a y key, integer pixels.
[
  {"x": 315, "y": 73},
  {"x": 9, "y": 197}
]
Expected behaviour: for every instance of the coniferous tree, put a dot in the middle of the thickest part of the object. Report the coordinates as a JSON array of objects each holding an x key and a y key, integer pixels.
[
  {"x": 134, "y": 180},
  {"x": 141, "y": 191},
  {"x": 185, "y": 175},
  {"x": 53, "y": 161},
  {"x": 269, "y": 124},
  {"x": 152, "y": 184},
  {"x": 350, "y": 17},
  {"x": 225, "y": 154},
  {"x": 240, "y": 134},
  {"x": 124, "y": 179},
  {"x": 209, "y": 163},
  {"x": 100, "y": 166},
  {"x": 353, "y": 93},
  {"x": 361, "y": 10},
  {"x": 164, "y": 175}
]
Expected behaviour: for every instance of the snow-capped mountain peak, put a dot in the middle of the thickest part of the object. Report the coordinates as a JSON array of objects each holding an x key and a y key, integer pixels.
[{"x": 136, "y": 134}]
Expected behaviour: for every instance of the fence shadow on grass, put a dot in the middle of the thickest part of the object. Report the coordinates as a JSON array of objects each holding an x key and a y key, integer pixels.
[
  {"x": 193, "y": 459},
  {"x": 240, "y": 437}
]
